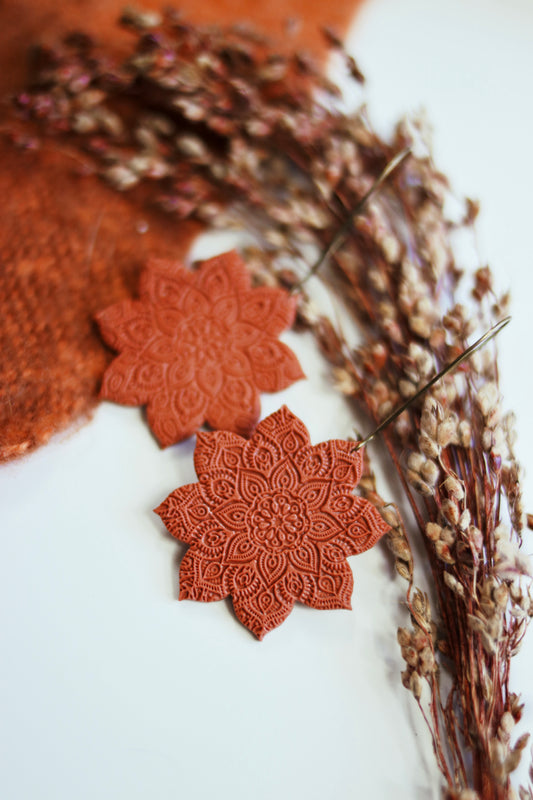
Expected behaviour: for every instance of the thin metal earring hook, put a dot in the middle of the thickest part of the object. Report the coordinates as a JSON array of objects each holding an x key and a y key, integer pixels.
[
  {"x": 345, "y": 227},
  {"x": 490, "y": 334}
]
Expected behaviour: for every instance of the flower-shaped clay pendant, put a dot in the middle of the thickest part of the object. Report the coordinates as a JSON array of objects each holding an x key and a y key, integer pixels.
[
  {"x": 271, "y": 521},
  {"x": 199, "y": 347}
]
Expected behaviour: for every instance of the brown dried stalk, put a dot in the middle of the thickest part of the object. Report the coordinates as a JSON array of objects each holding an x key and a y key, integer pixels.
[{"x": 226, "y": 131}]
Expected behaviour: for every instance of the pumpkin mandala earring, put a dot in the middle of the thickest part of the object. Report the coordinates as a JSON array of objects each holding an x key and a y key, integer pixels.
[{"x": 271, "y": 521}]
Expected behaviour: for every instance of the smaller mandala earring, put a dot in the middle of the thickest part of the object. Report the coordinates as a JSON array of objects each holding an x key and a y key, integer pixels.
[
  {"x": 199, "y": 347},
  {"x": 271, "y": 521}
]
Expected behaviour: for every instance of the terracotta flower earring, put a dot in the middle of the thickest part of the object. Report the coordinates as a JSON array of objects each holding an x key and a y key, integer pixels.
[
  {"x": 271, "y": 521},
  {"x": 199, "y": 347}
]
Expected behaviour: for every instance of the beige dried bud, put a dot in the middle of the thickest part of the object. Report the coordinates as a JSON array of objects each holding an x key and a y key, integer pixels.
[
  {"x": 430, "y": 472},
  {"x": 465, "y": 433},
  {"x": 464, "y": 520},
  {"x": 448, "y": 536},
  {"x": 404, "y": 569},
  {"x": 108, "y": 121},
  {"x": 428, "y": 445},
  {"x": 487, "y": 686},
  {"x": 390, "y": 515},
  {"x": 421, "y": 605},
  {"x": 450, "y": 511},
  {"x": 419, "y": 638},
  {"x": 521, "y": 742},
  {"x": 410, "y": 655},
  {"x": 475, "y": 538},
  {"x": 391, "y": 248},
  {"x": 416, "y": 461},
  {"x": 141, "y": 19},
  {"x": 344, "y": 381},
  {"x": 447, "y": 431},
  {"x": 415, "y": 684},
  {"x": 407, "y": 389},
  {"x": 420, "y": 325},
  {"x": 418, "y": 484},
  {"x": 422, "y": 358},
  {"x": 121, "y": 177},
  {"x": 488, "y": 440},
  {"x": 454, "y": 487},
  {"x": 443, "y": 552},
  {"x": 406, "y": 678},
  {"x": 431, "y": 413},
  {"x": 399, "y": 547},
  {"x": 506, "y": 726},
  {"x": 147, "y": 138},
  {"x": 426, "y": 661},
  {"x": 84, "y": 122},
  {"x": 453, "y": 584},
  {"x": 404, "y": 637},
  {"x": 501, "y": 531},
  {"x": 501, "y": 595},
  {"x": 487, "y": 398},
  {"x": 433, "y": 531},
  {"x": 192, "y": 147}
]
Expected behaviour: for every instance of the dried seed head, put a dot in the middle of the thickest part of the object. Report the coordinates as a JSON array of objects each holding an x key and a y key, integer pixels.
[
  {"x": 121, "y": 177},
  {"x": 399, "y": 547},
  {"x": 415, "y": 684},
  {"x": 141, "y": 20},
  {"x": 506, "y": 726},
  {"x": 418, "y": 484},
  {"x": 454, "y": 585},
  {"x": 430, "y": 472},
  {"x": 487, "y": 398},
  {"x": 404, "y": 569},
  {"x": 448, "y": 536},
  {"x": 419, "y": 638},
  {"x": 464, "y": 520},
  {"x": 447, "y": 431},
  {"x": 410, "y": 655},
  {"x": 454, "y": 487},
  {"x": 428, "y": 445},
  {"x": 450, "y": 511},
  {"x": 426, "y": 661},
  {"x": 501, "y": 595},
  {"x": 404, "y": 637},
  {"x": 475, "y": 538},
  {"x": 407, "y": 389},
  {"x": 465, "y": 433},
  {"x": 433, "y": 531},
  {"x": 390, "y": 515},
  {"x": 443, "y": 552}
]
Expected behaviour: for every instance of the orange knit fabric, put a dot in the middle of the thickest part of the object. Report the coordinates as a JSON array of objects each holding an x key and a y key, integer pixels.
[{"x": 70, "y": 246}]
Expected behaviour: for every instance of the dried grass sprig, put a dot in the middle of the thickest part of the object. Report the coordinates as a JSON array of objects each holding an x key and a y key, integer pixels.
[{"x": 214, "y": 125}]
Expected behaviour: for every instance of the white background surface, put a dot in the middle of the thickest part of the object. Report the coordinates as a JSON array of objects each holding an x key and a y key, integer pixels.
[{"x": 109, "y": 687}]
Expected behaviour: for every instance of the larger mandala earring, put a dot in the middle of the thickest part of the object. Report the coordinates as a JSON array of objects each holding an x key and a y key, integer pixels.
[{"x": 271, "y": 521}]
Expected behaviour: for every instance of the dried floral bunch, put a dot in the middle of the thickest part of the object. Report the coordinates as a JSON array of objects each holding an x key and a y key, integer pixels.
[{"x": 227, "y": 132}]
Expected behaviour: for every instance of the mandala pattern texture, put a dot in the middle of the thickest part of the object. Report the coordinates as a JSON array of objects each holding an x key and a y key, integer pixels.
[
  {"x": 271, "y": 521},
  {"x": 199, "y": 346}
]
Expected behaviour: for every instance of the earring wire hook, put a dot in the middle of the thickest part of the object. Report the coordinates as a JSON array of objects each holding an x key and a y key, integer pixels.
[{"x": 490, "y": 334}]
